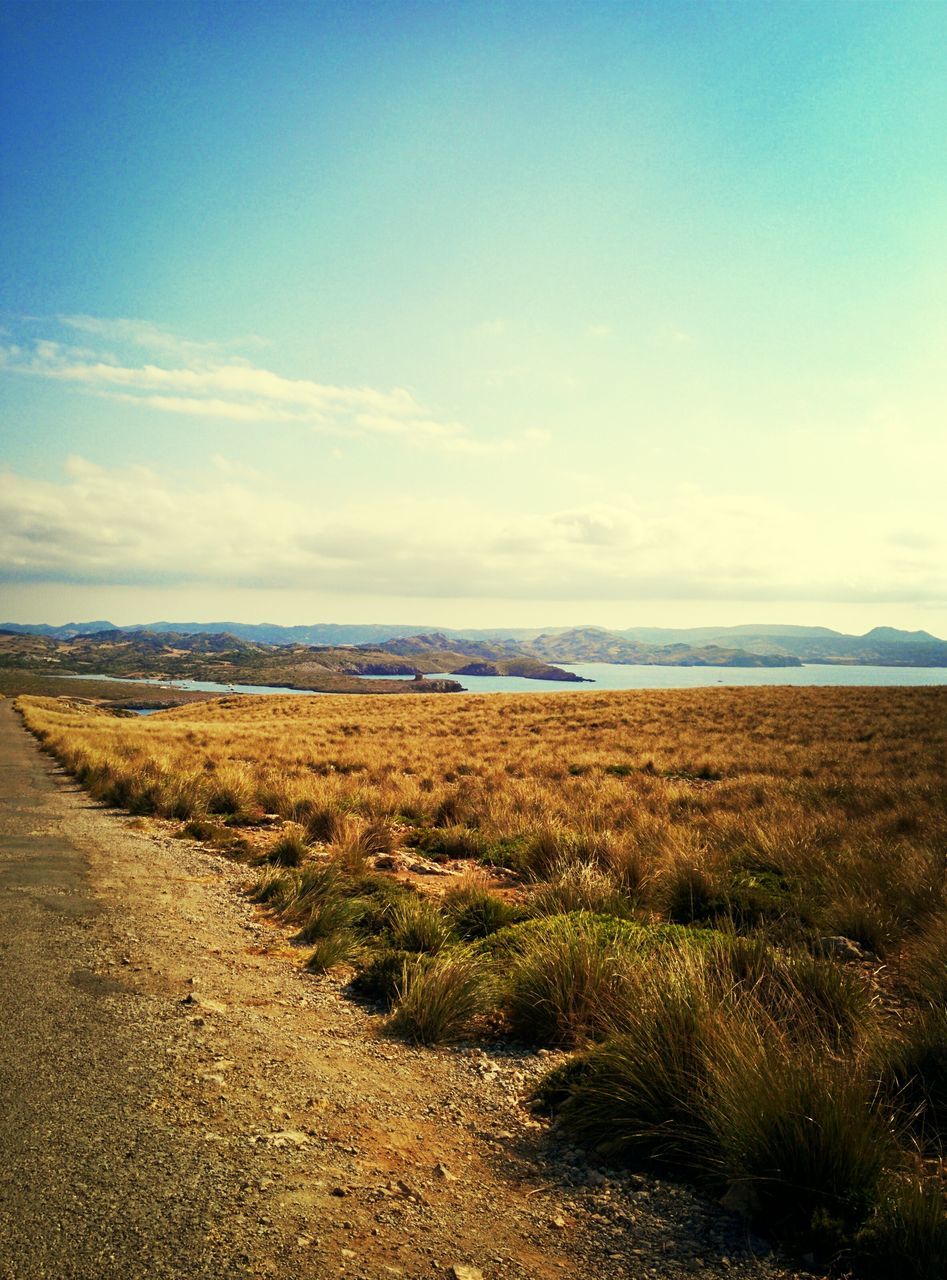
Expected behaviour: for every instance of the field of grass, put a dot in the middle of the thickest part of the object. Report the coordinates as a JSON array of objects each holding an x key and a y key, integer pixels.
[
  {"x": 689, "y": 872},
  {"x": 15, "y": 681}
]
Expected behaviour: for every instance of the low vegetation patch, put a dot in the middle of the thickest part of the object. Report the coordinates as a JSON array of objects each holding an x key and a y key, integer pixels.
[
  {"x": 475, "y": 911},
  {"x": 439, "y": 1000},
  {"x": 288, "y": 850},
  {"x": 731, "y": 905}
]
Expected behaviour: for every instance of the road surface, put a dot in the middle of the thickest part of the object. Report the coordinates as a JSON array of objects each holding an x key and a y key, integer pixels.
[{"x": 93, "y": 1182}]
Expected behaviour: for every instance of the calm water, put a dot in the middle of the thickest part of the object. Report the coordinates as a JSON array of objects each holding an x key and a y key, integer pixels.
[
  {"x": 609, "y": 675},
  {"x": 613, "y": 675},
  {"x": 196, "y": 686}
]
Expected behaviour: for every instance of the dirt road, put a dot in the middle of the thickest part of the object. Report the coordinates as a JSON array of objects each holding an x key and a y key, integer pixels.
[
  {"x": 179, "y": 1100},
  {"x": 92, "y": 1183}
]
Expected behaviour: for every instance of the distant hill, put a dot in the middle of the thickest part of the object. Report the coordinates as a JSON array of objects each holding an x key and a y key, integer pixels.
[
  {"x": 65, "y": 632},
  {"x": 215, "y": 656},
  {"x": 228, "y": 659},
  {"x": 323, "y": 633},
  {"x": 440, "y": 641},
  {"x": 592, "y": 644},
  {"x": 438, "y": 652},
  {"x": 882, "y": 646},
  {"x": 891, "y": 635},
  {"x": 715, "y": 635},
  {"x": 747, "y": 645}
]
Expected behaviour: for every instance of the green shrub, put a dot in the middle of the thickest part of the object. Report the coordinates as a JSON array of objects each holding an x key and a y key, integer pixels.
[
  {"x": 795, "y": 1131},
  {"x": 337, "y": 948},
  {"x": 439, "y": 996},
  {"x": 639, "y": 1093},
  {"x": 415, "y": 924},
  {"x": 476, "y": 912},
  {"x": 907, "y": 1234},
  {"x": 382, "y": 976},
  {"x": 288, "y": 850},
  {"x": 514, "y": 940},
  {"x": 915, "y": 1075},
  {"x": 571, "y": 982}
]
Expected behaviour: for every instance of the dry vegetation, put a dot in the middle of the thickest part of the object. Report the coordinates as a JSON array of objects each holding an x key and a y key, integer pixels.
[{"x": 685, "y": 866}]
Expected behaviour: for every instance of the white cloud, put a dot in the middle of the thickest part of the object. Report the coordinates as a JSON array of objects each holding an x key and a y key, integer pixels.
[
  {"x": 154, "y": 338},
  {"x": 209, "y": 407},
  {"x": 131, "y": 526},
  {"x": 200, "y": 381}
]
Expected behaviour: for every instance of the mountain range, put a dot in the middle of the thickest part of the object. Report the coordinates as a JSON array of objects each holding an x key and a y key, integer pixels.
[{"x": 747, "y": 645}]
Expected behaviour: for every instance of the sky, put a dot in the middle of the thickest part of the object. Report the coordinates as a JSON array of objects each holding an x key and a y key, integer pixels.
[{"x": 474, "y": 313}]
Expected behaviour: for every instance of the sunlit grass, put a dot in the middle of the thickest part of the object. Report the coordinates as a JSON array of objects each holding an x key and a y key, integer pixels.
[{"x": 679, "y": 868}]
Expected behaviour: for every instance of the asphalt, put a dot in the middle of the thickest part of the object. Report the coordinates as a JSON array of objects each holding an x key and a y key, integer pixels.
[{"x": 96, "y": 1181}]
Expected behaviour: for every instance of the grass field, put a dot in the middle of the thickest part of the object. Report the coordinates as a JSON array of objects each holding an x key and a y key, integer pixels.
[{"x": 731, "y": 904}]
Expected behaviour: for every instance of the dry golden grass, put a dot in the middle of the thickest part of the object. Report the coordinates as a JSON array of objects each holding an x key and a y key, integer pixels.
[
  {"x": 822, "y": 805},
  {"x": 782, "y": 814}
]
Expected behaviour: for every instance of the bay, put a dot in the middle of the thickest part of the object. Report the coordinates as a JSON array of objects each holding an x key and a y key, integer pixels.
[{"x": 614, "y": 676}]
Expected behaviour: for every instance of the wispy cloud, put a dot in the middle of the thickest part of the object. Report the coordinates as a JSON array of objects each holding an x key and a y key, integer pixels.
[
  {"x": 131, "y": 526},
  {"x": 200, "y": 380},
  {"x": 152, "y": 337}
]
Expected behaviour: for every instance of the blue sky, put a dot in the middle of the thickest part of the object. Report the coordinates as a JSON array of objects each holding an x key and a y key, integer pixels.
[{"x": 474, "y": 313}]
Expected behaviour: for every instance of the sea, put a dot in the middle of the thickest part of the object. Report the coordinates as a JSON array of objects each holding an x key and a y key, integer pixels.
[{"x": 614, "y": 675}]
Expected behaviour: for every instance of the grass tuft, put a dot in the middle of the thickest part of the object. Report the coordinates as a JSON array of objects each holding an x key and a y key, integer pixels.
[
  {"x": 571, "y": 983},
  {"x": 580, "y": 886},
  {"x": 288, "y": 850},
  {"x": 907, "y": 1233},
  {"x": 639, "y": 1092},
  {"x": 335, "y": 949},
  {"x": 796, "y": 1133},
  {"x": 380, "y": 976},
  {"x": 415, "y": 924},
  {"x": 476, "y": 912},
  {"x": 439, "y": 997},
  {"x": 915, "y": 1076}
]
